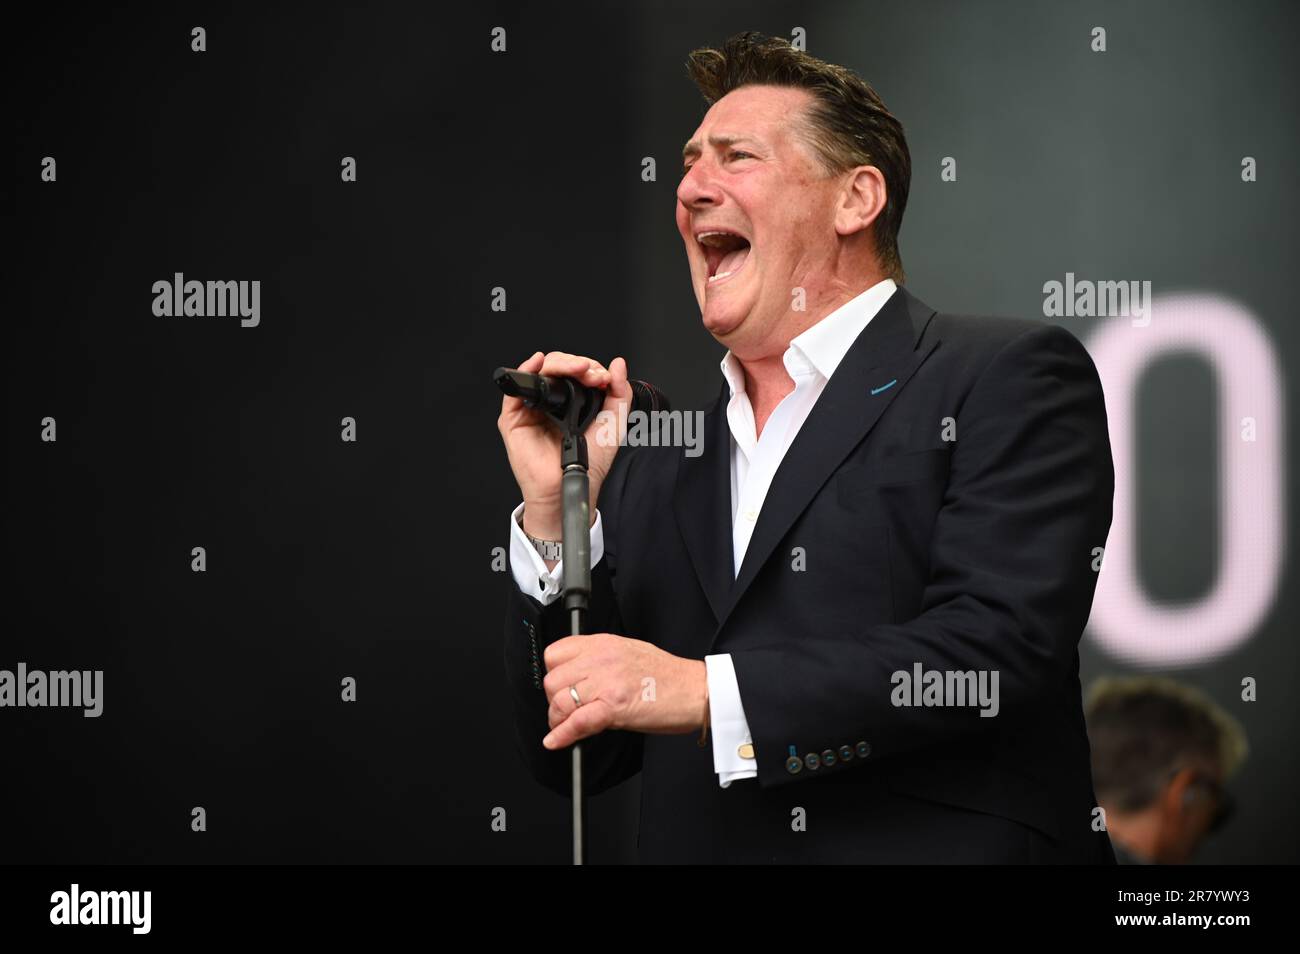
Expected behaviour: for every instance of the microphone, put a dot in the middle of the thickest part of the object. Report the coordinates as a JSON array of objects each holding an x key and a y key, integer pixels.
[{"x": 566, "y": 400}]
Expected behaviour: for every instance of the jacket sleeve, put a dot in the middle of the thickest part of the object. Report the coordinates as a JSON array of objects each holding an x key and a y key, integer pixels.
[
  {"x": 1010, "y": 582},
  {"x": 611, "y": 756}
]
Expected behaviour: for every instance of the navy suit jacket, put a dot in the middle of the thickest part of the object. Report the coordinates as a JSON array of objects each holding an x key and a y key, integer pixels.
[{"x": 883, "y": 543}]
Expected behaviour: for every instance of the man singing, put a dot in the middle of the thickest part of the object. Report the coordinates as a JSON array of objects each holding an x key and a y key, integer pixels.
[{"x": 847, "y": 630}]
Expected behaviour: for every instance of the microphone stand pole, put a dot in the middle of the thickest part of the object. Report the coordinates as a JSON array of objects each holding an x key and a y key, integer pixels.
[{"x": 576, "y": 577}]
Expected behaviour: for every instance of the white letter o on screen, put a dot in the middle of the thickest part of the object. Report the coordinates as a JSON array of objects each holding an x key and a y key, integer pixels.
[{"x": 1252, "y": 512}]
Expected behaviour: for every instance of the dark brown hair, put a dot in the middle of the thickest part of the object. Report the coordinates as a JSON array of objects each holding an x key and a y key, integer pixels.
[
  {"x": 847, "y": 125},
  {"x": 1143, "y": 728}
]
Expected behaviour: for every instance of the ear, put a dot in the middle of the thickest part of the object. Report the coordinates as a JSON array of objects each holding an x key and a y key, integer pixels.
[
  {"x": 1180, "y": 794},
  {"x": 861, "y": 200},
  {"x": 1174, "y": 819}
]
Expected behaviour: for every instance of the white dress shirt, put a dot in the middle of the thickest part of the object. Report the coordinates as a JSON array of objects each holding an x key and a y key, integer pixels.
[{"x": 810, "y": 360}]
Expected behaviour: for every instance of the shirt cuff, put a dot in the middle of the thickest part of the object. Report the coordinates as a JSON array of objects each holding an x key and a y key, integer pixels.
[
  {"x": 728, "y": 726},
  {"x": 529, "y": 569}
]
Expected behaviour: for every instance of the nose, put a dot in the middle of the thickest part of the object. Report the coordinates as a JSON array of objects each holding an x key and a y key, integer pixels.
[{"x": 697, "y": 188}]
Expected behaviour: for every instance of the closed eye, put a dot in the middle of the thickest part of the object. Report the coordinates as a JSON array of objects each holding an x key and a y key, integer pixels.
[{"x": 733, "y": 154}]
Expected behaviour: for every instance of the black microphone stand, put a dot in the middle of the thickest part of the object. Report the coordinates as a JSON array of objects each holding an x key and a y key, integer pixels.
[
  {"x": 576, "y": 578},
  {"x": 573, "y": 409},
  {"x": 577, "y": 586}
]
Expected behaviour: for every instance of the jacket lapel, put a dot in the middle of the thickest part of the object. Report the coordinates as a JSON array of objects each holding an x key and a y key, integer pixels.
[{"x": 702, "y": 506}]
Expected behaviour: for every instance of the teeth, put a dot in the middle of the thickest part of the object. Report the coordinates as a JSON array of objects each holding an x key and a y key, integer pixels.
[
  {"x": 714, "y": 278},
  {"x": 709, "y": 235}
]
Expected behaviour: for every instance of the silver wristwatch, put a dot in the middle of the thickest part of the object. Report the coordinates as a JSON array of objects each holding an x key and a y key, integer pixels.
[{"x": 549, "y": 549}]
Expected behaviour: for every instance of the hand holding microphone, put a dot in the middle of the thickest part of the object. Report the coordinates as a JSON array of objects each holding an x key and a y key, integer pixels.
[{"x": 533, "y": 442}]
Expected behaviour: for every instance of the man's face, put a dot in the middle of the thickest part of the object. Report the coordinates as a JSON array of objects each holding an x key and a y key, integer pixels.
[{"x": 750, "y": 174}]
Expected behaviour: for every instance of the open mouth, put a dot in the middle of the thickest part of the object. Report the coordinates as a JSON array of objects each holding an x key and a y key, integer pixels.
[{"x": 725, "y": 253}]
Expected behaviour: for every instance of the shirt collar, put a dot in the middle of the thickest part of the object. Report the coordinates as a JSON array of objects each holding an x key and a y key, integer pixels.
[{"x": 822, "y": 347}]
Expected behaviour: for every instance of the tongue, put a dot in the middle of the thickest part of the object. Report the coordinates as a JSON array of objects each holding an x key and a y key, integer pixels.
[{"x": 732, "y": 260}]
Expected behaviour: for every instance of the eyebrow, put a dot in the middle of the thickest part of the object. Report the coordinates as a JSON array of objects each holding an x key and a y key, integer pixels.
[{"x": 692, "y": 148}]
